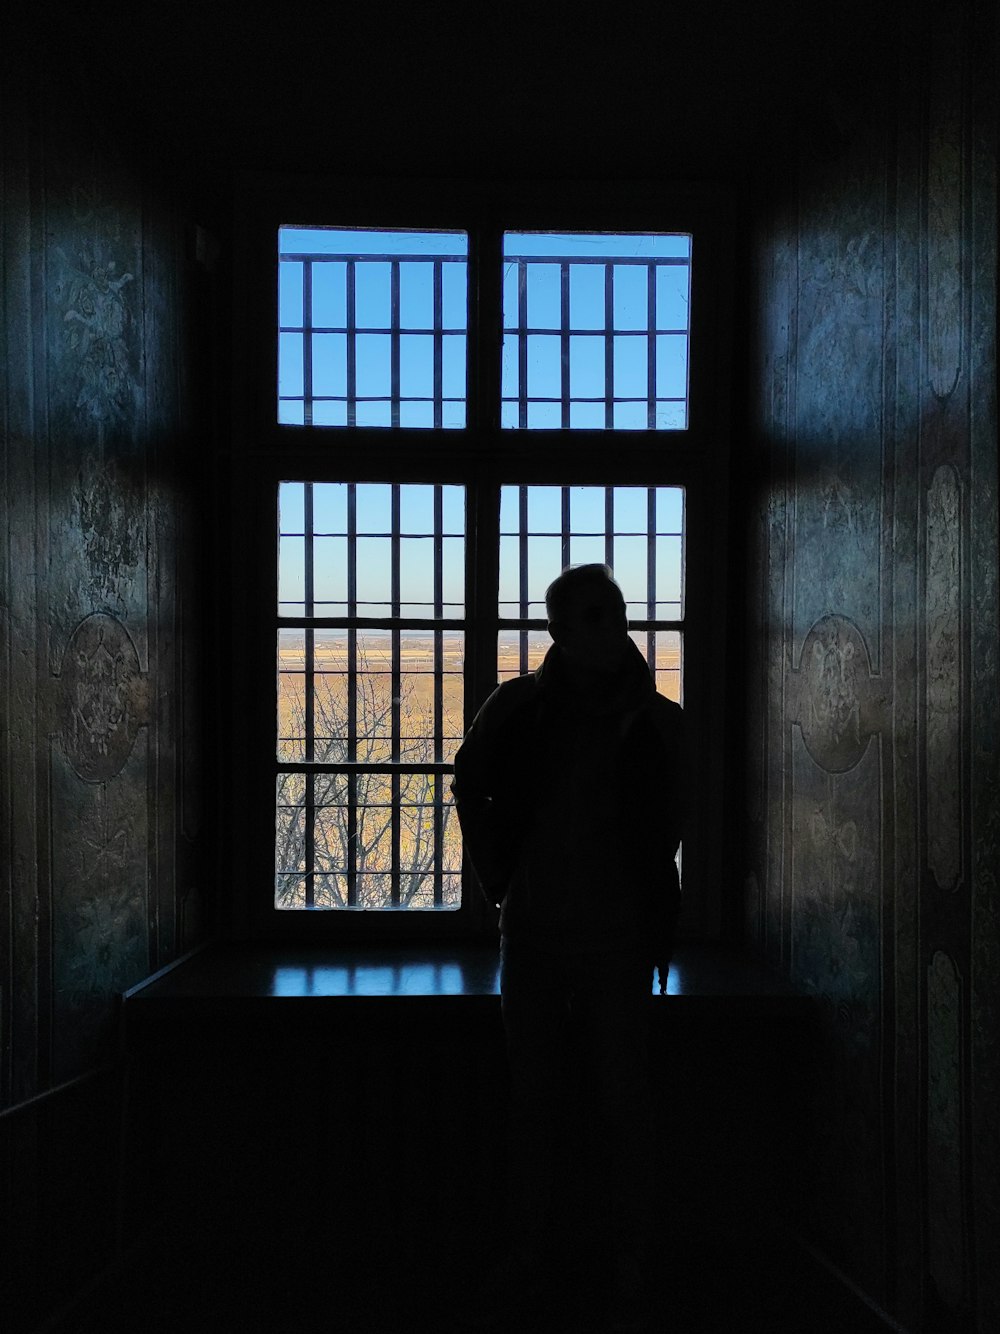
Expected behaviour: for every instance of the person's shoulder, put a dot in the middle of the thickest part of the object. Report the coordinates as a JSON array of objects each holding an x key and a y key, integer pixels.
[
  {"x": 508, "y": 697},
  {"x": 667, "y": 716}
]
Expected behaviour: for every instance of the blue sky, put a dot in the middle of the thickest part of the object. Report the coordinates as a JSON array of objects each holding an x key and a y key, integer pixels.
[
  {"x": 416, "y": 564},
  {"x": 587, "y": 314}
]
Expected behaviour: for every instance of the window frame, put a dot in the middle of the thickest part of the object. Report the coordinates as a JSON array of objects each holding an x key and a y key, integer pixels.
[{"x": 481, "y": 457}]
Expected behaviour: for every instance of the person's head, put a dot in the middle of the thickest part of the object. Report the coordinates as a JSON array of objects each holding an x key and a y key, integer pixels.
[{"x": 586, "y": 612}]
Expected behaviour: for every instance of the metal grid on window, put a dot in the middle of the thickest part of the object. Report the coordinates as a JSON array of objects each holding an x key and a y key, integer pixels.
[
  {"x": 371, "y": 640},
  {"x": 595, "y": 331},
  {"x": 637, "y": 530},
  {"x": 372, "y": 328}
]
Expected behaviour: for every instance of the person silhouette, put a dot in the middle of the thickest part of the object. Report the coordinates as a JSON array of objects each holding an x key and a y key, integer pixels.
[{"x": 568, "y": 787}]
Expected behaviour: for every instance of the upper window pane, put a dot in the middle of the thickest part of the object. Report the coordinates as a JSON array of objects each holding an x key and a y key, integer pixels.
[
  {"x": 372, "y": 327},
  {"x": 595, "y": 330}
]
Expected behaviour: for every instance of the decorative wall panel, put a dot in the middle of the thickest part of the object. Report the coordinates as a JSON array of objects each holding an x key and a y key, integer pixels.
[
  {"x": 97, "y": 478},
  {"x": 879, "y": 626},
  {"x": 944, "y": 673}
]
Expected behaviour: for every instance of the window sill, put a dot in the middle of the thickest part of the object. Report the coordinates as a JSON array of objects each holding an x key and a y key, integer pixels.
[{"x": 229, "y": 978}]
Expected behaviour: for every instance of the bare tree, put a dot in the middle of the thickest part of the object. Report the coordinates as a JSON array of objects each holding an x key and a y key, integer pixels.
[{"x": 374, "y": 811}]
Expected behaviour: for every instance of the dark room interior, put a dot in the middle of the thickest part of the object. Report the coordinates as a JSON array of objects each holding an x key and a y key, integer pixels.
[{"x": 219, "y": 1116}]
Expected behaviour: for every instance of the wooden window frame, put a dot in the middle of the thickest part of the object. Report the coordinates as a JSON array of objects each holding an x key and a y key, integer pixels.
[{"x": 482, "y": 457}]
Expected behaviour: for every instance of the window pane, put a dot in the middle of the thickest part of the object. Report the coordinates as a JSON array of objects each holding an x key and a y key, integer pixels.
[
  {"x": 364, "y": 696},
  {"x": 671, "y": 366},
  {"x": 628, "y": 266},
  {"x": 329, "y": 366},
  {"x": 329, "y": 502},
  {"x": 416, "y": 366},
  {"x": 329, "y": 296},
  {"x": 672, "y": 297},
  {"x": 291, "y": 573},
  {"x": 631, "y": 303},
  {"x": 339, "y": 283},
  {"x": 290, "y": 295},
  {"x": 416, "y": 296},
  {"x": 586, "y": 296},
  {"x": 544, "y": 296},
  {"x": 586, "y": 367},
  {"x": 543, "y": 366},
  {"x": 586, "y": 508},
  {"x": 630, "y": 368},
  {"x": 632, "y": 539}
]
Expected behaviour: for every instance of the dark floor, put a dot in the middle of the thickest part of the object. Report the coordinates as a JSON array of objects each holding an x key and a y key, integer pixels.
[{"x": 701, "y": 1281}]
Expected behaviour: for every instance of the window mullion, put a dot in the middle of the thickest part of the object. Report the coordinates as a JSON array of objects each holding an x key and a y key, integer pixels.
[
  {"x": 307, "y": 343},
  {"x": 522, "y": 573},
  {"x": 651, "y": 577},
  {"x": 394, "y": 343},
  {"x": 609, "y": 347},
  {"x": 651, "y": 347},
  {"x": 352, "y": 696},
  {"x": 396, "y": 704},
  {"x": 438, "y": 299},
  {"x": 352, "y": 358},
  {"x": 438, "y": 723},
  {"x": 564, "y": 345},
  {"x": 522, "y": 344},
  {"x": 309, "y": 687}
]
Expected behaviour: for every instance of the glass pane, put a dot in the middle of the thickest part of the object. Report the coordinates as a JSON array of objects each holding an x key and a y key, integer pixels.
[
  {"x": 586, "y": 416},
  {"x": 668, "y": 568},
  {"x": 631, "y": 508},
  {"x": 318, "y": 268},
  {"x": 586, "y": 366},
  {"x": 454, "y": 296},
  {"x": 669, "y": 509},
  {"x": 544, "y": 289},
  {"x": 289, "y": 830},
  {"x": 672, "y": 283},
  {"x": 329, "y": 367},
  {"x": 290, "y": 295},
  {"x": 291, "y": 571},
  {"x": 330, "y": 571},
  {"x": 416, "y": 296},
  {"x": 630, "y": 368},
  {"x": 586, "y": 296},
  {"x": 586, "y": 509},
  {"x": 671, "y": 365},
  {"x": 631, "y": 302},
  {"x": 290, "y": 379},
  {"x": 291, "y": 412},
  {"x": 543, "y": 366},
  {"x": 371, "y": 294},
  {"x": 453, "y": 509},
  {"x": 329, "y": 296},
  {"x": 416, "y": 366},
  {"x": 545, "y": 509}
]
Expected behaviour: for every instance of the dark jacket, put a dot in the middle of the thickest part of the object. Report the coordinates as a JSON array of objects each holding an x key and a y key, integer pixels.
[{"x": 571, "y": 809}]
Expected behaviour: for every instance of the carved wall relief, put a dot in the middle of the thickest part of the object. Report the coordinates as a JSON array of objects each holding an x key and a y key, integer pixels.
[
  {"x": 101, "y": 698},
  {"x": 831, "y": 694},
  {"x": 92, "y": 289},
  {"x": 943, "y": 730}
]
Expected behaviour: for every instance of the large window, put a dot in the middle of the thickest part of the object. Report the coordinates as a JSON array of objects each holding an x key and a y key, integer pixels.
[{"x": 449, "y": 413}]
